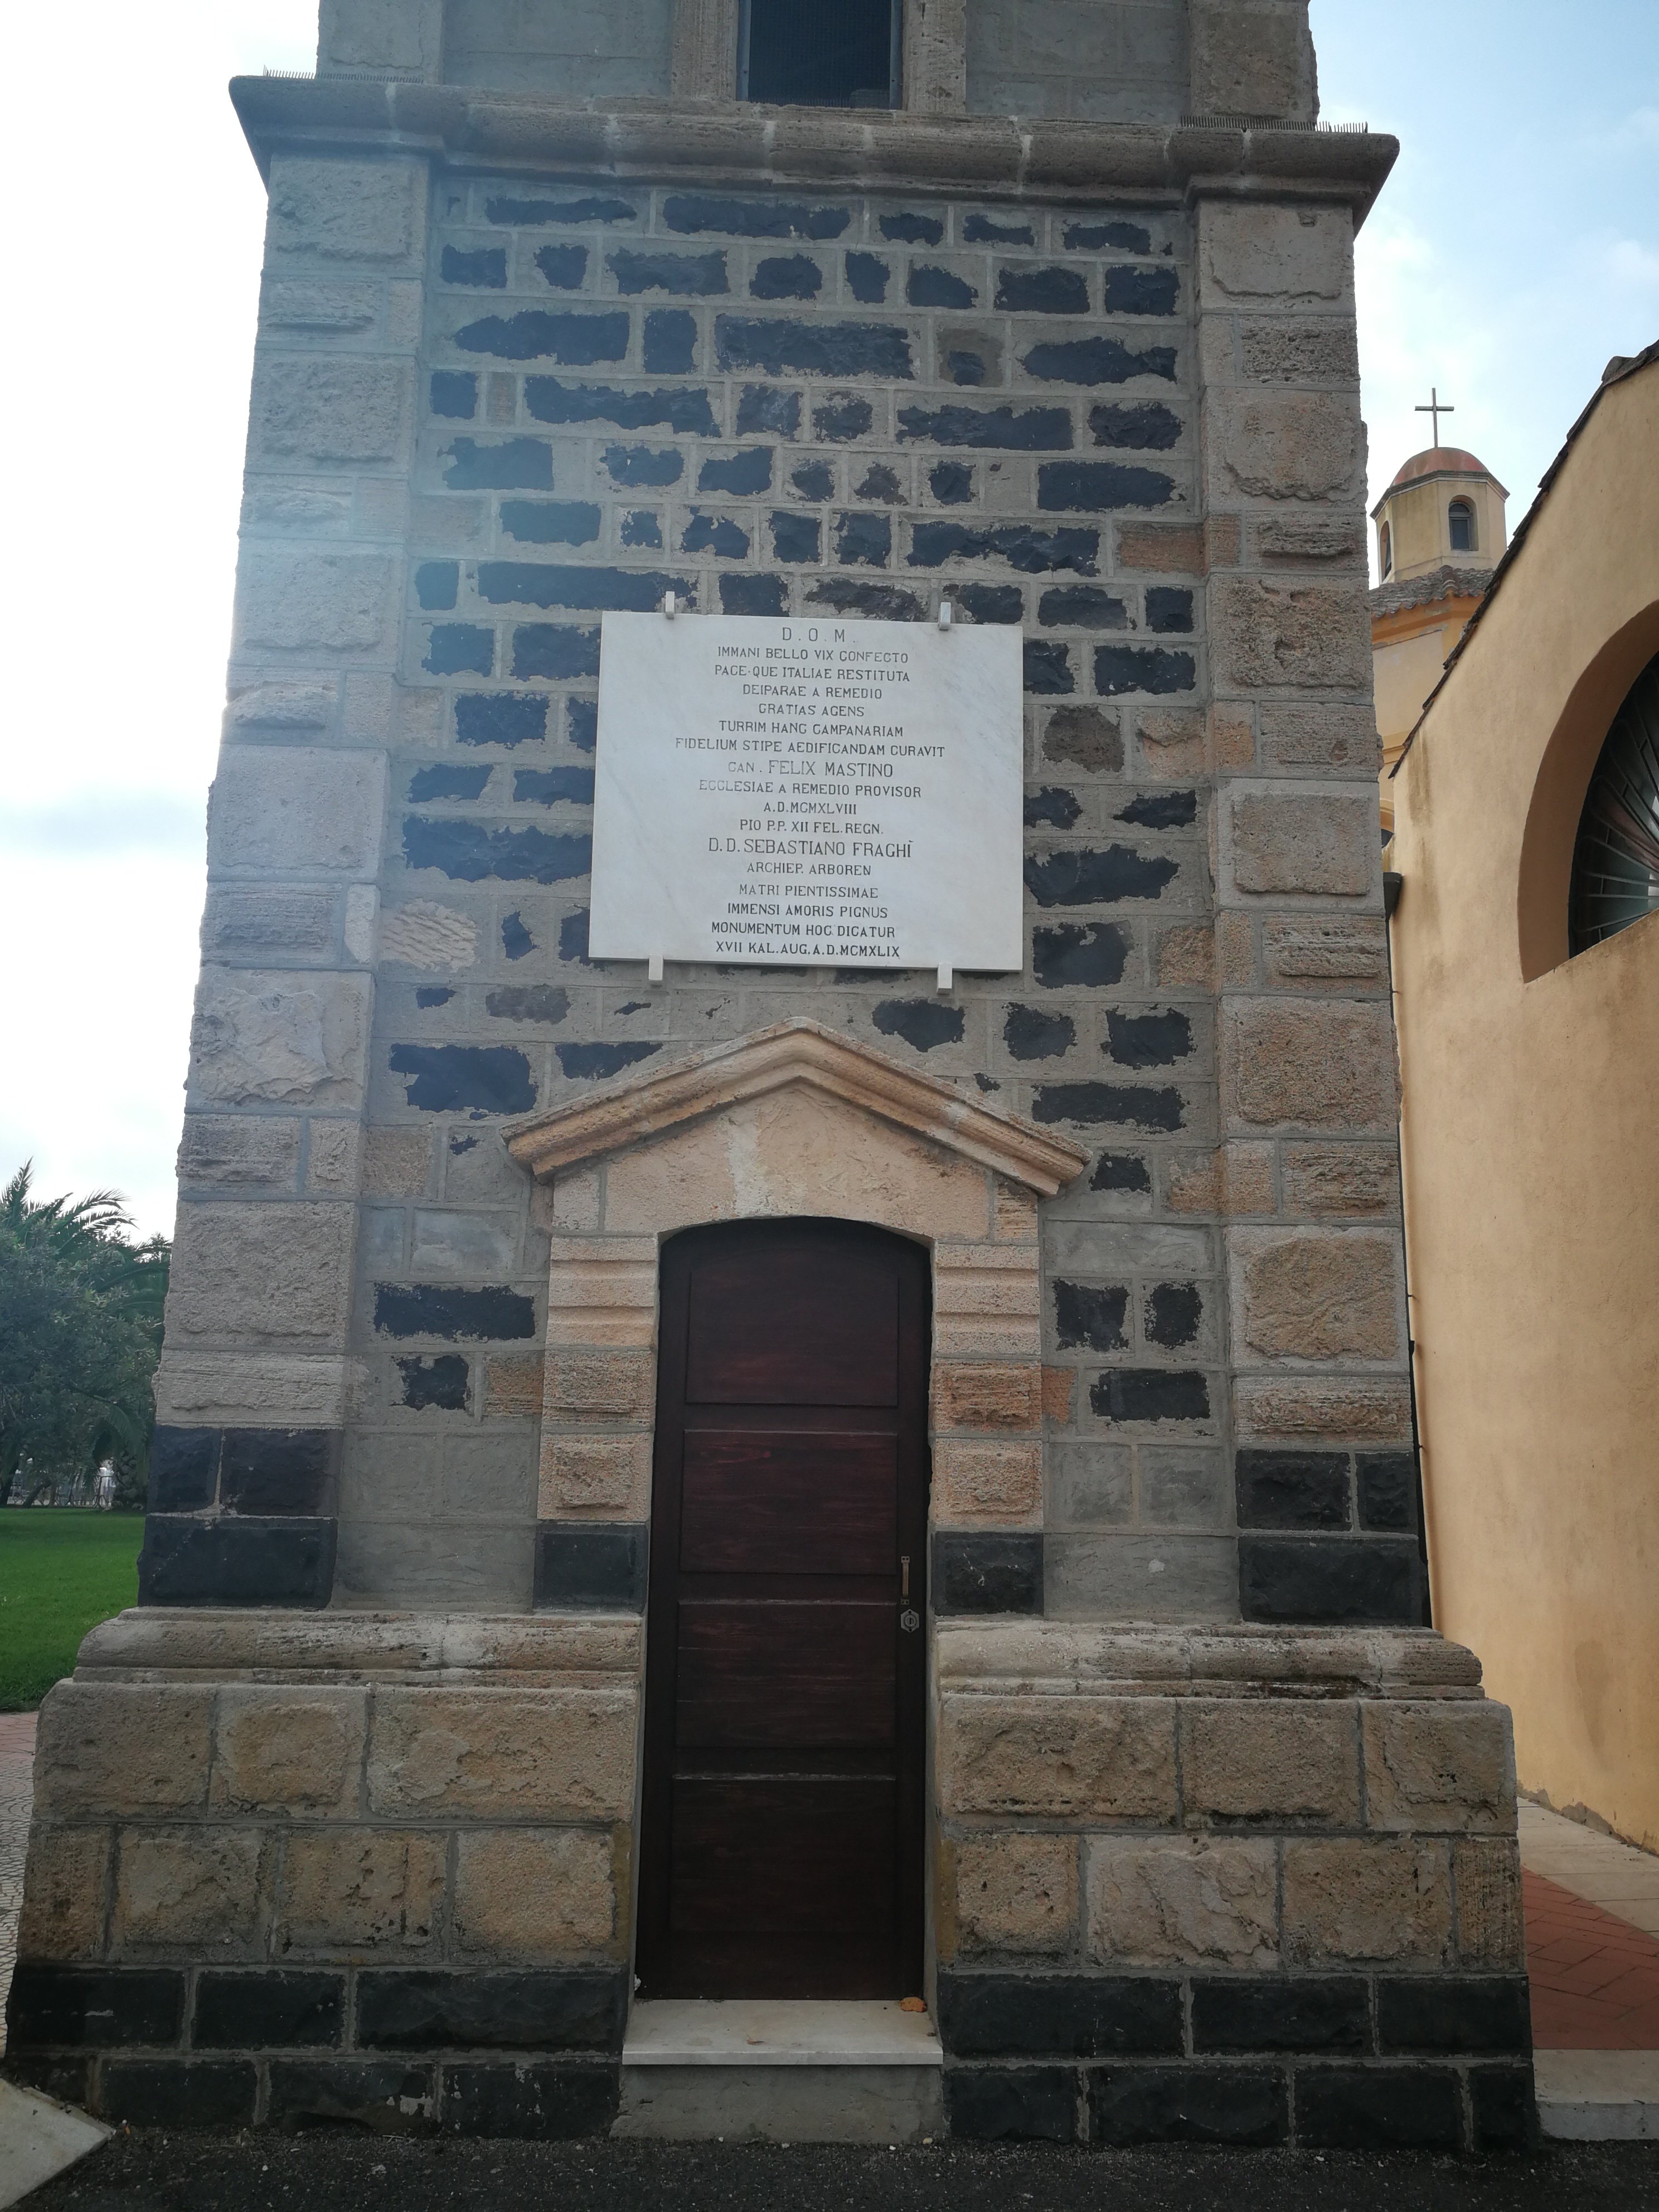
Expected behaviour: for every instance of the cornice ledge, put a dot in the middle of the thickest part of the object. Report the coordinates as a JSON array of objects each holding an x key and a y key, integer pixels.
[
  {"x": 824, "y": 147},
  {"x": 795, "y": 1054}
]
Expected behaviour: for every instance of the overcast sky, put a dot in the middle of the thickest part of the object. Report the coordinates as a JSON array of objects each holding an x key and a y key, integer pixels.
[{"x": 1516, "y": 249}]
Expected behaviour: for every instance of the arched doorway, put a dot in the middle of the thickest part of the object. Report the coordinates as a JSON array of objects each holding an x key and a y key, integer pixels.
[{"x": 783, "y": 1830}]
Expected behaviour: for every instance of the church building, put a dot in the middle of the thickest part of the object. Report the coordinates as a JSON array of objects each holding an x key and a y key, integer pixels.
[{"x": 785, "y": 1502}]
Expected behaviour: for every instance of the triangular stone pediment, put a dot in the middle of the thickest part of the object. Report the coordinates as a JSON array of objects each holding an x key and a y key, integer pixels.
[{"x": 795, "y": 1056}]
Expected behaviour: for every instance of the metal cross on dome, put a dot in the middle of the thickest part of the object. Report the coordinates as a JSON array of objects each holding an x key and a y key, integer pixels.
[{"x": 1437, "y": 407}]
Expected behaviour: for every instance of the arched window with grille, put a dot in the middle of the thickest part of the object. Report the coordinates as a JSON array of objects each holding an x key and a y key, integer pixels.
[
  {"x": 1615, "y": 861},
  {"x": 1461, "y": 518},
  {"x": 1385, "y": 552}
]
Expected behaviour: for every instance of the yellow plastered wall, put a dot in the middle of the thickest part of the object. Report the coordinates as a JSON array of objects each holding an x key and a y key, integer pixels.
[
  {"x": 1420, "y": 517},
  {"x": 1531, "y": 1149}
]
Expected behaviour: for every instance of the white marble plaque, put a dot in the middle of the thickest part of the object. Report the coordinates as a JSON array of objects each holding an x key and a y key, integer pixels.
[{"x": 826, "y": 790}]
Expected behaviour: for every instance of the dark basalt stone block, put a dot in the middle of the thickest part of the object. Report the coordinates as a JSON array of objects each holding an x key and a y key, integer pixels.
[
  {"x": 437, "y": 585},
  {"x": 583, "y": 588},
  {"x": 981, "y": 230},
  {"x": 516, "y": 939},
  {"x": 867, "y": 278},
  {"x": 690, "y": 212},
  {"x": 526, "y": 2009},
  {"x": 453, "y": 394},
  {"x": 1149, "y": 1394},
  {"x": 1331, "y": 1580},
  {"x": 469, "y": 852},
  {"x": 1096, "y": 361},
  {"x": 641, "y": 530},
  {"x": 1036, "y": 552},
  {"x": 498, "y": 718},
  {"x": 1093, "y": 487},
  {"x": 551, "y": 521},
  {"x": 1282, "y": 2012},
  {"x": 176, "y": 2092},
  {"x": 1094, "y": 237},
  {"x": 459, "y": 649},
  {"x": 553, "y": 786},
  {"x": 865, "y": 538},
  {"x": 236, "y": 1562},
  {"x": 503, "y": 464},
  {"x": 1091, "y": 1316},
  {"x": 632, "y": 467},
  {"x": 989, "y": 603},
  {"x": 993, "y": 2015},
  {"x": 882, "y": 602},
  {"x": 781, "y": 345},
  {"x": 1168, "y": 611},
  {"x": 1161, "y": 810},
  {"x": 585, "y": 1564},
  {"x": 1378, "y": 2108},
  {"x": 1157, "y": 1040},
  {"x": 442, "y": 1385},
  {"x": 1030, "y": 1034},
  {"x": 1084, "y": 876},
  {"x": 984, "y": 1574},
  {"x": 1131, "y": 291},
  {"x": 1051, "y": 808},
  {"x": 555, "y": 651},
  {"x": 988, "y": 429},
  {"x": 787, "y": 277},
  {"x": 1043, "y": 292},
  {"x": 1121, "y": 668},
  {"x": 528, "y": 1002},
  {"x": 753, "y": 595},
  {"x": 763, "y": 407},
  {"x": 1291, "y": 1489},
  {"x": 1082, "y": 606},
  {"x": 1078, "y": 953},
  {"x": 494, "y": 1314},
  {"x": 927, "y": 287},
  {"x": 1012, "y": 2104},
  {"x": 575, "y": 337},
  {"x": 1246, "y": 2105},
  {"x": 715, "y": 534},
  {"x": 573, "y": 936},
  {"x": 451, "y": 1079},
  {"x": 598, "y": 1062},
  {"x": 1452, "y": 2013},
  {"x": 909, "y": 230},
  {"x": 670, "y": 346},
  {"x": 427, "y": 996},
  {"x": 1088, "y": 1104},
  {"x": 837, "y": 422},
  {"x": 1150, "y": 426},
  {"x": 1388, "y": 1490},
  {"x": 743, "y": 475},
  {"x": 388, "y": 2096},
  {"x": 277, "y": 1471},
  {"x": 684, "y": 275},
  {"x": 283, "y": 2010},
  {"x": 922, "y": 1023},
  {"x": 880, "y": 482},
  {"x": 1172, "y": 1315},
  {"x": 589, "y": 207},
  {"x": 683, "y": 409},
  {"x": 565, "y": 267},
  {"x": 184, "y": 1469},
  {"x": 795, "y": 538},
  {"x": 1047, "y": 669},
  {"x": 428, "y": 784},
  {"x": 951, "y": 482},
  {"x": 1504, "y": 2108},
  {"x": 484, "y": 267},
  {"x": 95, "y": 2008},
  {"x": 814, "y": 480},
  {"x": 1120, "y": 1171},
  {"x": 530, "y": 2103}
]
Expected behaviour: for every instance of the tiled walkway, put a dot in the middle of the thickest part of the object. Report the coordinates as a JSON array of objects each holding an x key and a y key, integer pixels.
[{"x": 1592, "y": 1908}]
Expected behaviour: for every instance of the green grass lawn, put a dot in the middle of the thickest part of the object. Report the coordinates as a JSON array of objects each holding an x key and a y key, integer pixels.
[{"x": 63, "y": 1569}]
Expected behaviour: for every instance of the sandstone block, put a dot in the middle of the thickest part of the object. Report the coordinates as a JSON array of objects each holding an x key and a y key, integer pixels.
[
  {"x": 121, "y": 1748},
  {"x": 281, "y": 707},
  {"x": 1280, "y": 637},
  {"x": 265, "y": 1390},
  {"x": 1251, "y": 62},
  {"x": 62, "y": 1914},
  {"x": 608, "y": 1477},
  {"x": 423, "y": 935},
  {"x": 240, "y": 1151},
  {"x": 1287, "y": 445},
  {"x": 199, "y": 1886},
  {"x": 380, "y": 35},
  {"x": 1299, "y": 353},
  {"x": 1178, "y": 1902},
  {"x": 576, "y": 1202},
  {"x": 1058, "y": 1385},
  {"x": 241, "y": 921},
  {"x": 553, "y": 1754},
  {"x": 1311, "y": 847},
  {"x": 1014, "y": 1214},
  {"x": 1185, "y": 958},
  {"x": 1344, "y": 1412},
  {"x": 1258, "y": 252},
  {"x": 331, "y": 411},
  {"x": 988, "y": 1396},
  {"x": 1016, "y": 1892},
  {"x": 986, "y": 1301},
  {"x": 1161, "y": 549},
  {"x": 1322, "y": 1067},
  {"x": 1236, "y": 1179},
  {"x": 1059, "y": 1757},
  {"x": 290, "y": 601},
  {"x": 1360, "y": 1899},
  {"x": 997, "y": 1485},
  {"x": 277, "y": 1749},
  {"x": 1232, "y": 736},
  {"x": 334, "y": 1159},
  {"x": 617, "y": 1386},
  {"x": 1311, "y": 954},
  {"x": 1320, "y": 737},
  {"x": 528, "y": 1894},
  {"x": 317, "y": 307},
  {"x": 1330, "y": 1294},
  {"x": 271, "y": 1038},
  {"x": 1335, "y": 1180},
  {"x": 1244, "y": 1759},
  {"x": 1487, "y": 1870},
  {"x": 261, "y": 1271},
  {"x": 602, "y": 1290},
  {"x": 362, "y": 1890},
  {"x": 1432, "y": 1767},
  {"x": 297, "y": 807},
  {"x": 1302, "y": 539},
  {"x": 512, "y": 1387},
  {"x": 343, "y": 210},
  {"x": 1172, "y": 741}
]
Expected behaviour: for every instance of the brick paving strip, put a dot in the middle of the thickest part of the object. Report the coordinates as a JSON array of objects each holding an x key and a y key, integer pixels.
[{"x": 1594, "y": 1979}]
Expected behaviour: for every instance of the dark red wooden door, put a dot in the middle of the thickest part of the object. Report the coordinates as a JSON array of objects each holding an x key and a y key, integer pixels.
[{"x": 781, "y": 1846}]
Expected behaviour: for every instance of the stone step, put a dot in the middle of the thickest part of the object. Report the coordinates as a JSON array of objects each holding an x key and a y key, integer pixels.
[
  {"x": 1598, "y": 2096},
  {"x": 775, "y": 2071}
]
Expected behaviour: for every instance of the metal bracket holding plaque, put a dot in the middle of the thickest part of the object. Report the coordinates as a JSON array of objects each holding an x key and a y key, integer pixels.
[{"x": 771, "y": 791}]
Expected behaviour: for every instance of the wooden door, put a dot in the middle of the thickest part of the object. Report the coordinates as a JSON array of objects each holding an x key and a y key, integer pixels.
[{"x": 782, "y": 1844}]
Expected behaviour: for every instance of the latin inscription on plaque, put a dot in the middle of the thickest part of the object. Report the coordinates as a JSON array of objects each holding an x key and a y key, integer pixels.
[{"x": 824, "y": 791}]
